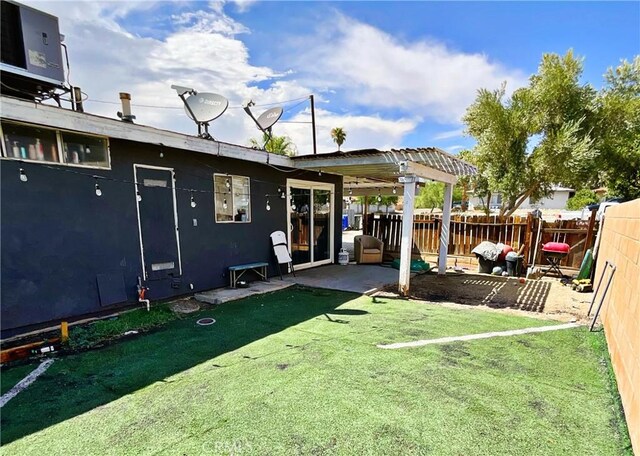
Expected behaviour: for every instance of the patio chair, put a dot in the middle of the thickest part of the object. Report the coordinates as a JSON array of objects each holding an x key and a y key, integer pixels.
[
  {"x": 368, "y": 249},
  {"x": 281, "y": 251}
]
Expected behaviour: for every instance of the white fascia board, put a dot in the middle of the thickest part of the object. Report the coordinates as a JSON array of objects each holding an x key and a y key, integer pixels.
[
  {"x": 335, "y": 162},
  {"x": 65, "y": 119}
]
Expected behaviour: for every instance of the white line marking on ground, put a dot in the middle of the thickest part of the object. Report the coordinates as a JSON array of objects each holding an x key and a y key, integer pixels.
[
  {"x": 25, "y": 382},
  {"x": 444, "y": 340}
]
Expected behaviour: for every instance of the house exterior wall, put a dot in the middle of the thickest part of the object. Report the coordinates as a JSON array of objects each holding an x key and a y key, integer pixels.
[
  {"x": 57, "y": 235},
  {"x": 620, "y": 244},
  {"x": 558, "y": 200}
]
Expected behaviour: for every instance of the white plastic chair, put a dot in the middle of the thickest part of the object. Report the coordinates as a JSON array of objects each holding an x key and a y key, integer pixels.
[{"x": 281, "y": 251}]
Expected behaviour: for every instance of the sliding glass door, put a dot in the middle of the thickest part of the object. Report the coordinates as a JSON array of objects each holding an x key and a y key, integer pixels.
[{"x": 310, "y": 218}]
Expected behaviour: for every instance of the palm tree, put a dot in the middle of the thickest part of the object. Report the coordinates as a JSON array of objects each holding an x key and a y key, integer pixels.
[
  {"x": 279, "y": 145},
  {"x": 339, "y": 136}
]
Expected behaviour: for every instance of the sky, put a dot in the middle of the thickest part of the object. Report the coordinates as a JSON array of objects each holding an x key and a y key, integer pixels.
[{"x": 391, "y": 74}]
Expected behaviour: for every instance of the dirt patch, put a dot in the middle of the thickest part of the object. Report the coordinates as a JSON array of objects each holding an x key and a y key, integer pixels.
[
  {"x": 282, "y": 366},
  {"x": 546, "y": 298},
  {"x": 185, "y": 306}
]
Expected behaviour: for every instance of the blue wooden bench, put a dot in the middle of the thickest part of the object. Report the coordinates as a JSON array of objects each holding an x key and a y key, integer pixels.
[{"x": 259, "y": 268}]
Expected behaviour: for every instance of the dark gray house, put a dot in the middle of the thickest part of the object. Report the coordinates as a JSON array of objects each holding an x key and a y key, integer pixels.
[{"x": 91, "y": 206}]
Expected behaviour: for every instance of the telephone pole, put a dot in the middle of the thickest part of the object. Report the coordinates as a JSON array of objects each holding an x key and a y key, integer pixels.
[{"x": 313, "y": 124}]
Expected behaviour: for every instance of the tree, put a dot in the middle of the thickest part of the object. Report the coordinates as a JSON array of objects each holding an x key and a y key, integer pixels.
[
  {"x": 430, "y": 196},
  {"x": 279, "y": 145},
  {"x": 339, "y": 136},
  {"x": 538, "y": 137},
  {"x": 478, "y": 184},
  {"x": 385, "y": 201},
  {"x": 617, "y": 130},
  {"x": 581, "y": 199}
]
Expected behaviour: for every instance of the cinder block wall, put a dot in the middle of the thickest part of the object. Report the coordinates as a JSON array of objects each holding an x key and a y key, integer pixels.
[{"x": 620, "y": 244}]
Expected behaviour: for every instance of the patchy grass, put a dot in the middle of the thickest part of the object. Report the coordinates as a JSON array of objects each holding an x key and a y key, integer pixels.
[
  {"x": 89, "y": 335},
  {"x": 298, "y": 371}
]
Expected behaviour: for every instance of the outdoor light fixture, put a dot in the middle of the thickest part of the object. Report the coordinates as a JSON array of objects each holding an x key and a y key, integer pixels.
[
  {"x": 394, "y": 190},
  {"x": 350, "y": 191},
  {"x": 268, "y": 205},
  {"x": 23, "y": 176},
  {"x": 98, "y": 190},
  {"x": 227, "y": 183},
  {"x": 193, "y": 201},
  {"x": 224, "y": 204},
  {"x": 138, "y": 195}
]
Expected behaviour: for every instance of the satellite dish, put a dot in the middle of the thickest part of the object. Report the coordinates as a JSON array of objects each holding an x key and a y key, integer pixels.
[
  {"x": 268, "y": 118},
  {"x": 202, "y": 108},
  {"x": 265, "y": 121},
  {"x": 205, "y": 107}
]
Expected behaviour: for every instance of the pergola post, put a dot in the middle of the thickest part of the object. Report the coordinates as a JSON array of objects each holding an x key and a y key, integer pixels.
[
  {"x": 407, "y": 234},
  {"x": 444, "y": 231}
]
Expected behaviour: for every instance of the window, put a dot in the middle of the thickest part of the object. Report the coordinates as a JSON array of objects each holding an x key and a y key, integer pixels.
[
  {"x": 30, "y": 143},
  {"x": 34, "y": 143},
  {"x": 84, "y": 150},
  {"x": 232, "y": 198}
]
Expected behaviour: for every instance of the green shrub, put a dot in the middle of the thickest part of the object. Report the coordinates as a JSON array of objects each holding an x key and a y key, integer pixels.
[{"x": 581, "y": 199}]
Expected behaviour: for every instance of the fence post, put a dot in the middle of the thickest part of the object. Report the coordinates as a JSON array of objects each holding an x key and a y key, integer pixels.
[{"x": 592, "y": 223}]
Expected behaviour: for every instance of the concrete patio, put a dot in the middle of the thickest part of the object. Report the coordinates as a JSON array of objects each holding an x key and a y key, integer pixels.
[
  {"x": 352, "y": 277},
  {"x": 359, "y": 278}
]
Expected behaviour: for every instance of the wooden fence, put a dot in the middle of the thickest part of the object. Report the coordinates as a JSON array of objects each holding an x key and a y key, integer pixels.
[{"x": 466, "y": 232}]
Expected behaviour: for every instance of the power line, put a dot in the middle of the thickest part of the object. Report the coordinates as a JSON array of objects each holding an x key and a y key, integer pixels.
[{"x": 180, "y": 107}]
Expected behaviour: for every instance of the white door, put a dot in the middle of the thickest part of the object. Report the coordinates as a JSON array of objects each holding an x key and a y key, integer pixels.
[{"x": 310, "y": 220}]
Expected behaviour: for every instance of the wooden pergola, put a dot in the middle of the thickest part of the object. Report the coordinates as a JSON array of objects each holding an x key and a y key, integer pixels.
[{"x": 371, "y": 172}]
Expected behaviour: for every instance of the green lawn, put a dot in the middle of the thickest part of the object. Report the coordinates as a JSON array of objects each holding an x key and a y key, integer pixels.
[{"x": 298, "y": 371}]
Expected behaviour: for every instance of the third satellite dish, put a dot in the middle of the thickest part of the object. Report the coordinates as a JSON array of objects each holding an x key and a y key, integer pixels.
[
  {"x": 268, "y": 118},
  {"x": 205, "y": 106}
]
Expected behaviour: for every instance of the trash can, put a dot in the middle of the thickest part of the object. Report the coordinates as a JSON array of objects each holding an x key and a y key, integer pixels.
[
  {"x": 345, "y": 222},
  {"x": 514, "y": 264},
  {"x": 357, "y": 222}
]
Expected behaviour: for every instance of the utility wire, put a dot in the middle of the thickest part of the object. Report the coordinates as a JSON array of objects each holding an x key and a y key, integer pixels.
[{"x": 181, "y": 107}]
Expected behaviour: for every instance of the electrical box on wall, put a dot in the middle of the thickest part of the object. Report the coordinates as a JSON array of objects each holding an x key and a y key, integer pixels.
[{"x": 31, "y": 51}]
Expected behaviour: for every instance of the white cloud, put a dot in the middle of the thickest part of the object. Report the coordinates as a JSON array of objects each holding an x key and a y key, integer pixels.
[
  {"x": 401, "y": 83},
  {"x": 363, "y": 132},
  {"x": 448, "y": 134},
  {"x": 375, "y": 69},
  {"x": 242, "y": 6}
]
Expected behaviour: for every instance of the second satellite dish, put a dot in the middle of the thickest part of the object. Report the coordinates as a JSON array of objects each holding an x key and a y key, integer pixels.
[
  {"x": 268, "y": 118},
  {"x": 205, "y": 107}
]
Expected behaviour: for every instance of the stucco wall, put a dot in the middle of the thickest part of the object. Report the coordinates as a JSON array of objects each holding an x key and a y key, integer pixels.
[
  {"x": 620, "y": 244},
  {"x": 57, "y": 236}
]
